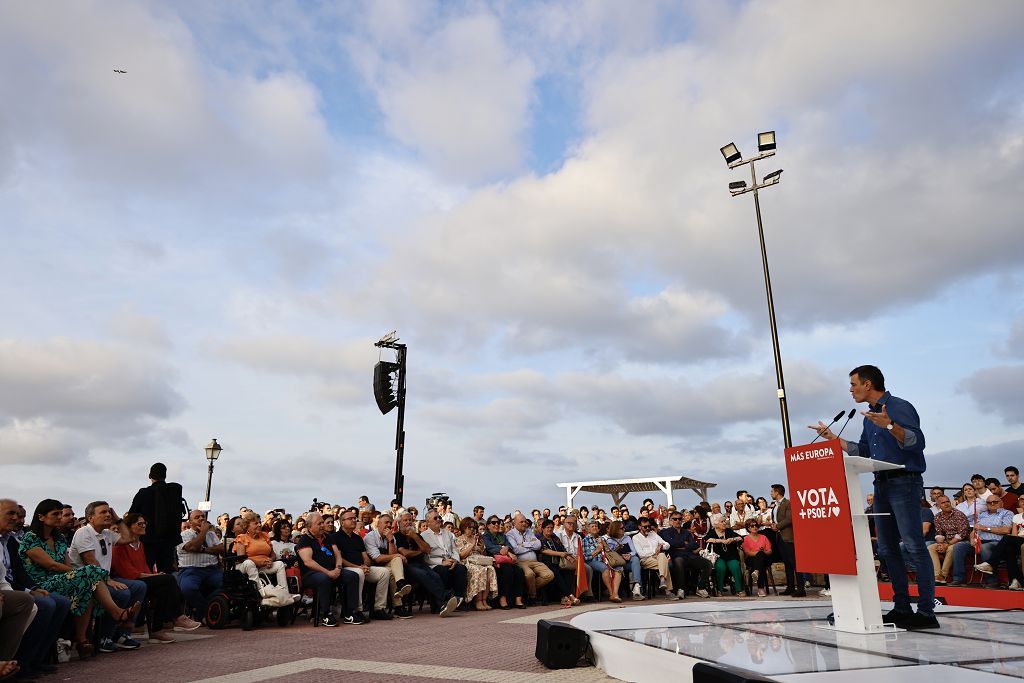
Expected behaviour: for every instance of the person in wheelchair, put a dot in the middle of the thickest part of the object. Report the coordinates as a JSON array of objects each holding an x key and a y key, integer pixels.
[{"x": 254, "y": 544}]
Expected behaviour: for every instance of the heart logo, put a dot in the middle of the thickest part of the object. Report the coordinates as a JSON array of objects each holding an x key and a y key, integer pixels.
[{"x": 835, "y": 510}]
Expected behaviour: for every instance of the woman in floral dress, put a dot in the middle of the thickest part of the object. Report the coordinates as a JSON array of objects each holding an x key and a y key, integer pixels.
[
  {"x": 44, "y": 552},
  {"x": 482, "y": 581}
]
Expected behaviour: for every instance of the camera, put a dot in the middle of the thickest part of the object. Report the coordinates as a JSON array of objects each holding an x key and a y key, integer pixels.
[
  {"x": 436, "y": 498},
  {"x": 315, "y": 507}
]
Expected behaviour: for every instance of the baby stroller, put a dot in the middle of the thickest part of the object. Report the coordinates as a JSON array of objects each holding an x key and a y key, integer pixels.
[{"x": 240, "y": 599}]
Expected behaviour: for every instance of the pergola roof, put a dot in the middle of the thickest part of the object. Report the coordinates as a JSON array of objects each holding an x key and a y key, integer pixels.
[
  {"x": 611, "y": 486},
  {"x": 618, "y": 488}
]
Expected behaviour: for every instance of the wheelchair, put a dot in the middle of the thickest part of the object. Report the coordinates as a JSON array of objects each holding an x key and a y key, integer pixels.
[{"x": 239, "y": 599}]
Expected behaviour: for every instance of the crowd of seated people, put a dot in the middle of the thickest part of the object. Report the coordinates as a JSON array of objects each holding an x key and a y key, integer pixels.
[{"x": 97, "y": 582}]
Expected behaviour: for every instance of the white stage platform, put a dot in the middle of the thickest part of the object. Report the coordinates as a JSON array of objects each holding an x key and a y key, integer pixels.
[{"x": 780, "y": 640}]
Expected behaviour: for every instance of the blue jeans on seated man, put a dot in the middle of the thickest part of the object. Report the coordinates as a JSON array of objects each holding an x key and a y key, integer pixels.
[
  {"x": 123, "y": 597},
  {"x": 42, "y": 633},
  {"x": 964, "y": 553},
  {"x": 422, "y": 575},
  {"x": 198, "y": 585},
  {"x": 900, "y": 497}
]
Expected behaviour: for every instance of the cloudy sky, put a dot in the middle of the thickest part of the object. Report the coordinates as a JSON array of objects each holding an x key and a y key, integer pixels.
[{"x": 532, "y": 195}]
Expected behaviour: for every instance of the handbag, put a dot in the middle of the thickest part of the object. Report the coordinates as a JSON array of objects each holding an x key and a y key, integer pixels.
[
  {"x": 567, "y": 562},
  {"x": 708, "y": 554},
  {"x": 275, "y": 596},
  {"x": 481, "y": 560},
  {"x": 615, "y": 559},
  {"x": 502, "y": 559}
]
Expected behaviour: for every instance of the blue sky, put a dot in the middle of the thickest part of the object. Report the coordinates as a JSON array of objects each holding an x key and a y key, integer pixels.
[{"x": 532, "y": 195}]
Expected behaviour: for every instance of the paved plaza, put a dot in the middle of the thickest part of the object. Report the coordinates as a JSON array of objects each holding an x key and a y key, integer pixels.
[{"x": 491, "y": 647}]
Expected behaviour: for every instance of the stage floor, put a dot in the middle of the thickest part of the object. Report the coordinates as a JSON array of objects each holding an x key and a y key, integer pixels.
[{"x": 780, "y": 640}]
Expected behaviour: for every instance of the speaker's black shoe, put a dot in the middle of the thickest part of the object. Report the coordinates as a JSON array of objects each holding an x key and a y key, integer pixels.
[
  {"x": 897, "y": 617},
  {"x": 919, "y": 621}
]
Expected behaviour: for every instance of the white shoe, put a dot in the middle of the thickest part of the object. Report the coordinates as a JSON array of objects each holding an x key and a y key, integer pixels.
[
  {"x": 984, "y": 567},
  {"x": 701, "y": 593},
  {"x": 671, "y": 596},
  {"x": 663, "y": 586},
  {"x": 637, "y": 595},
  {"x": 680, "y": 594},
  {"x": 825, "y": 592},
  {"x": 1015, "y": 585}
]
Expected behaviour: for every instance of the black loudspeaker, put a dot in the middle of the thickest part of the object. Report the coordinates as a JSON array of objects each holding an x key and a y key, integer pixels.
[
  {"x": 711, "y": 673},
  {"x": 559, "y": 645}
]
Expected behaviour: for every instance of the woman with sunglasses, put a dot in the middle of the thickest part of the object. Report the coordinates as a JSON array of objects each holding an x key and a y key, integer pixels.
[
  {"x": 511, "y": 580},
  {"x": 44, "y": 552},
  {"x": 757, "y": 549},
  {"x": 595, "y": 555},
  {"x": 481, "y": 579},
  {"x": 162, "y": 593}
]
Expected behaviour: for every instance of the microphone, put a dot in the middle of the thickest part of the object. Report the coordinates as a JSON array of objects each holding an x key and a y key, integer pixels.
[
  {"x": 853, "y": 411},
  {"x": 835, "y": 419}
]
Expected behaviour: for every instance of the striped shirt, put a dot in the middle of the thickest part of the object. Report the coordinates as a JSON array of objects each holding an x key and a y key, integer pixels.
[{"x": 186, "y": 559}]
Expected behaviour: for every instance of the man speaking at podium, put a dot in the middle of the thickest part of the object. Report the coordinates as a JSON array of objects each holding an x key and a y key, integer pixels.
[{"x": 892, "y": 432}]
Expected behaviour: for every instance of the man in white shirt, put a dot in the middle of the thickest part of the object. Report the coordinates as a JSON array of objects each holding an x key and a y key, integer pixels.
[
  {"x": 742, "y": 510},
  {"x": 444, "y": 558},
  {"x": 199, "y": 577},
  {"x": 382, "y": 551},
  {"x": 651, "y": 549},
  {"x": 980, "y": 488},
  {"x": 94, "y": 544},
  {"x": 525, "y": 544}
]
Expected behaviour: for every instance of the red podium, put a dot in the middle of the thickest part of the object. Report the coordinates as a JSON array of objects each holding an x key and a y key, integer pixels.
[{"x": 831, "y": 533}]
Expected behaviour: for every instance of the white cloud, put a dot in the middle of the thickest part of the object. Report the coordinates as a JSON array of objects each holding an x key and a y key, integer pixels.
[
  {"x": 61, "y": 399},
  {"x": 455, "y": 93},
  {"x": 997, "y": 390},
  {"x": 171, "y": 122}
]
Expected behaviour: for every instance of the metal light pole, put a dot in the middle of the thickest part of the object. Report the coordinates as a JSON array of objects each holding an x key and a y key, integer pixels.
[
  {"x": 213, "y": 450},
  {"x": 766, "y": 148},
  {"x": 386, "y": 400}
]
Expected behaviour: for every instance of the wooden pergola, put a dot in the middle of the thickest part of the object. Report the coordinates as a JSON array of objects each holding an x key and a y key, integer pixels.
[{"x": 619, "y": 488}]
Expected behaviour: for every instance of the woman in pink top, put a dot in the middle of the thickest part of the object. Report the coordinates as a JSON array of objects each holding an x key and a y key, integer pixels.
[{"x": 757, "y": 549}]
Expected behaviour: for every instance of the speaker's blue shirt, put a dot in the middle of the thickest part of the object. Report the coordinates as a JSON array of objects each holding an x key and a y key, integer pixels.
[{"x": 878, "y": 443}]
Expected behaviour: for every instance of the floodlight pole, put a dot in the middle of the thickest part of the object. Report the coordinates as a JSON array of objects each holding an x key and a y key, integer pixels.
[
  {"x": 734, "y": 160},
  {"x": 390, "y": 341},
  {"x": 400, "y": 428},
  {"x": 771, "y": 315}
]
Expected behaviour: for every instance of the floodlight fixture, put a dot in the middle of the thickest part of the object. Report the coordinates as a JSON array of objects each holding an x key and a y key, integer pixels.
[
  {"x": 766, "y": 141},
  {"x": 731, "y": 153},
  {"x": 773, "y": 176},
  {"x": 738, "y": 185}
]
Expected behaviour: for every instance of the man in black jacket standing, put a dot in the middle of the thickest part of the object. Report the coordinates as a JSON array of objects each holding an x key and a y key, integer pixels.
[{"x": 160, "y": 503}]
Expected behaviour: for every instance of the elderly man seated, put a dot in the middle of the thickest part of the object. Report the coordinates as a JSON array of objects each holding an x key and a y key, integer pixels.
[
  {"x": 415, "y": 550},
  {"x": 444, "y": 558},
  {"x": 322, "y": 571},
  {"x": 379, "y": 543},
  {"x": 199, "y": 577},
  {"x": 523, "y": 542},
  {"x": 993, "y": 523},
  {"x": 356, "y": 560},
  {"x": 24, "y": 600}
]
